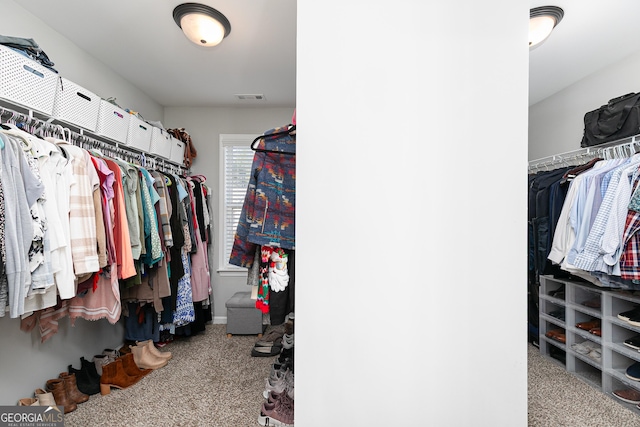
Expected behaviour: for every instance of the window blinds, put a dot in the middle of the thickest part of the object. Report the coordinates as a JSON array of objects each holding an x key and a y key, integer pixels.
[{"x": 237, "y": 161}]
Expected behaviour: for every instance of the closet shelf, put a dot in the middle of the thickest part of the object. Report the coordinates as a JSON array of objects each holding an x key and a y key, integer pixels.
[
  {"x": 585, "y": 310},
  {"x": 29, "y": 117},
  {"x": 607, "y": 374},
  {"x": 553, "y": 320}
]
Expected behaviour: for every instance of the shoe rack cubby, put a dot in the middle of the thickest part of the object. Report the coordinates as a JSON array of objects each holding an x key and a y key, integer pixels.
[{"x": 582, "y": 303}]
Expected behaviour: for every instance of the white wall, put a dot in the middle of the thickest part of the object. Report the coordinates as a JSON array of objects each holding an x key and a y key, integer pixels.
[
  {"x": 27, "y": 363},
  {"x": 74, "y": 63},
  {"x": 556, "y": 124},
  {"x": 205, "y": 126},
  {"x": 410, "y": 233}
]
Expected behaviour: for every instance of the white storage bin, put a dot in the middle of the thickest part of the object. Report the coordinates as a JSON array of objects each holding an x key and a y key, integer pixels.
[
  {"x": 113, "y": 122},
  {"x": 139, "y": 135},
  {"x": 76, "y": 105},
  {"x": 177, "y": 151},
  {"x": 160, "y": 143},
  {"x": 26, "y": 82}
]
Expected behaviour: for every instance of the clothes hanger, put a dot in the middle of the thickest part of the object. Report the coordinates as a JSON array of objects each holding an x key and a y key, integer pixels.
[
  {"x": 20, "y": 135},
  {"x": 291, "y": 129},
  {"x": 95, "y": 149}
]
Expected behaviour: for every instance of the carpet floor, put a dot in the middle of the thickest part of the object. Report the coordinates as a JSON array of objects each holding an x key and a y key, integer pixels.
[
  {"x": 558, "y": 398},
  {"x": 212, "y": 380}
]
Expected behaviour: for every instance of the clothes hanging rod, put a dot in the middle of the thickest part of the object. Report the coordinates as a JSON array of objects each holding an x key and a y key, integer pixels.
[
  {"x": 80, "y": 136},
  {"x": 593, "y": 150}
]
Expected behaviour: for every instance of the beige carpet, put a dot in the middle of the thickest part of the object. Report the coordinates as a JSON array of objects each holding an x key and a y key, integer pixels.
[
  {"x": 212, "y": 380},
  {"x": 557, "y": 398}
]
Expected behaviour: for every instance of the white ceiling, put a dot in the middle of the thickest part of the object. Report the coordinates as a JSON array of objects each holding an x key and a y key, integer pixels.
[
  {"x": 592, "y": 35},
  {"x": 140, "y": 41}
]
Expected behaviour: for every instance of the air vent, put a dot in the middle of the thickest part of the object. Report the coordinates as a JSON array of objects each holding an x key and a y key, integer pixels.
[{"x": 250, "y": 96}]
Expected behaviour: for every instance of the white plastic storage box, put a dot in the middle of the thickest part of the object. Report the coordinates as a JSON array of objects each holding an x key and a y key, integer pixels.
[
  {"x": 139, "y": 135},
  {"x": 160, "y": 143},
  {"x": 26, "y": 82},
  {"x": 177, "y": 151},
  {"x": 113, "y": 122},
  {"x": 76, "y": 105}
]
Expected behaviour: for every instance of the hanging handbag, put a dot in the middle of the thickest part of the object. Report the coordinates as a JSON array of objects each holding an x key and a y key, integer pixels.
[{"x": 620, "y": 118}]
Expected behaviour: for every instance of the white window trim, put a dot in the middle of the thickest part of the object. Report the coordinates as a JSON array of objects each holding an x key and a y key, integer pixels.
[{"x": 224, "y": 268}]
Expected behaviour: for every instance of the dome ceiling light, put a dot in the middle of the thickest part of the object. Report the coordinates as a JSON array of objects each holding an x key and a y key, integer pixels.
[
  {"x": 203, "y": 25},
  {"x": 542, "y": 21}
]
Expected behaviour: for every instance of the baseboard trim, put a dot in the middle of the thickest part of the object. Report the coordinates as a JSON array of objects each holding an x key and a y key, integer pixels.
[{"x": 219, "y": 320}]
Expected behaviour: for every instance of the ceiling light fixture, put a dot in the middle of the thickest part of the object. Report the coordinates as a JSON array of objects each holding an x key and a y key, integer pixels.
[
  {"x": 542, "y": 20},
  {"x": 203, "y": 25}
]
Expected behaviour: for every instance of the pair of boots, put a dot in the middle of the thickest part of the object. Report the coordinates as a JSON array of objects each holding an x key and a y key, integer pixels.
[
  {"x": 108, "y": 355},
  {"x": 42, "y": 398},
  {"x": 65, "y": 392},
  {"x": 122, "y": 373},
  {"x": 147, "y": 356},
  {"x": 87, "y": 377}
]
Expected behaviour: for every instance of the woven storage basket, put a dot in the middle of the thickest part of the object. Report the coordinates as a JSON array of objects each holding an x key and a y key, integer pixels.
[
  {"x": 113, "y": 122},
  {"x": 139, "y": 135},
  {"x": 160, "y": 143},
  {"x": 26, "y": 82},
  {"x": 76, "y": 105},
  {"x": 177, "y": 151}
]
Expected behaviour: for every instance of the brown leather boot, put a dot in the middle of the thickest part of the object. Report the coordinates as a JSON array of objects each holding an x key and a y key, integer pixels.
[
  {"x": 130, "y": 367},
  {"x": 144, "y": 359},
  {"x": 114, "y": 375},
  {"x": 57, "y": 388},
  {"x": 72, "y": 388}
]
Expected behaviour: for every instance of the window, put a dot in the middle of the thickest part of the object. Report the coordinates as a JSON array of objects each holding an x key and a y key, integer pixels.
[{"x": 236, "y": 157}]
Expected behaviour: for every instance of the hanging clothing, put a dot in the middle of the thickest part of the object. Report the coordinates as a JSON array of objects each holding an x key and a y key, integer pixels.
[
  {"x": 200, "y": 276},
  {"x": 130, "y": 183},
  {"x": 283, "y": 302},
  {"x": 124, "y": 255},
  {"x": 71, "y": 224},
  {"x": 22, "y": 191},
  {"x": 596, "y": 238},
  {"x": 4, "y": 287},
  {"x": 55, "y": 171},
  {"x": 152, "y": 237},
  {"x": 602, "y": 244},
  {"x": 164, "y": 207},
  {"x": 184, "y": 312},
  {"x": 179, "y": 232},
  {"x": 101, "y": 301},
  {"x": 82, "y": 225},
  {"x": 268, "y": 212},
  {"x": 107, "y": 194}
]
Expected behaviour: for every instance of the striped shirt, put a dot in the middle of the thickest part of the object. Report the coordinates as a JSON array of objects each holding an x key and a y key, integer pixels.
[
  {"x": 82, "y": 218},
  {"x": 604, "y": 238}
]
